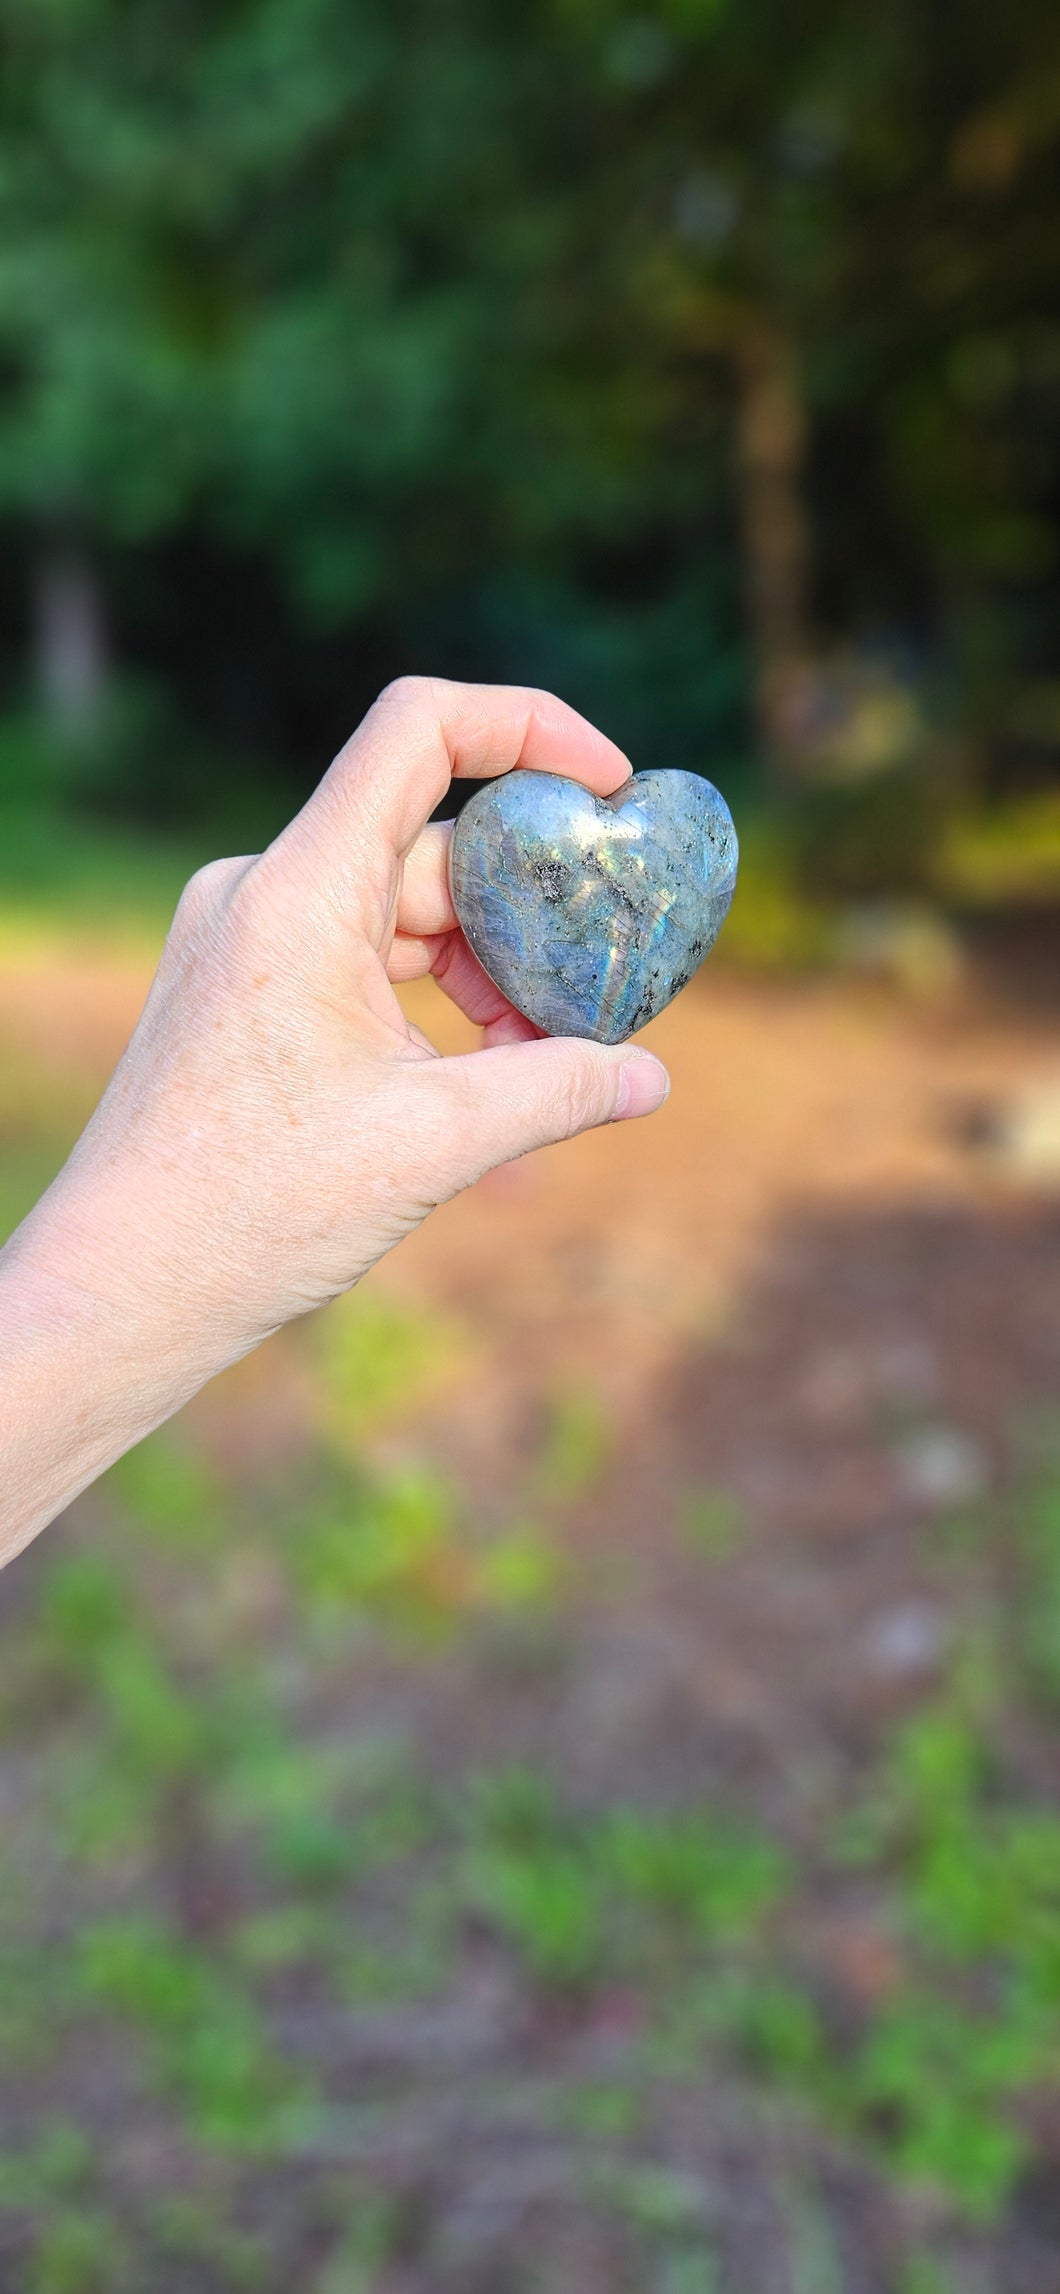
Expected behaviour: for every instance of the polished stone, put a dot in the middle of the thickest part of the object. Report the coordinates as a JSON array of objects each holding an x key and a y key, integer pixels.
[{"x": 589, "y": 913}]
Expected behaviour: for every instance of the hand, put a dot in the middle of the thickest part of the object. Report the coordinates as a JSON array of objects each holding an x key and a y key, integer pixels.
[{"x": 276, "y": 1124}]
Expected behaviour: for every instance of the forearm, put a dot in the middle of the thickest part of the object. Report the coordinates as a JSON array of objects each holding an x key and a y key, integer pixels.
[{"x": 86, "y": 1370}]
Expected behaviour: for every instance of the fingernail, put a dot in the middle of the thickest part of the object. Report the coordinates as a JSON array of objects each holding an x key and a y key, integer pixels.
[{"x": 642, "y": 1087}]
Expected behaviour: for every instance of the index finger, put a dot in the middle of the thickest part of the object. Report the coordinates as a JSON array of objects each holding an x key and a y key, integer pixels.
[{"x": 424, "y": 732}]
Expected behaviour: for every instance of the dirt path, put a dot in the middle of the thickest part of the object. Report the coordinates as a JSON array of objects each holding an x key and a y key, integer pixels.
[
  {"x": 615, "y": 1256},
  {"x": 611, "y": 1260}
]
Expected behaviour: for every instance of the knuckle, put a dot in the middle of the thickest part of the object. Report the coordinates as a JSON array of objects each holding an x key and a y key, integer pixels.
[
  {"x": 580, "y": 1095},
  {"x": 199, "y": 900},
  {"x": 413, "y": 695},
  {"x": 216, "y": 898},
  {"x": 404, "y": 693}
]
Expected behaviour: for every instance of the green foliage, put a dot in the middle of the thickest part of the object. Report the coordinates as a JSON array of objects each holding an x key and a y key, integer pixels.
[
  {"x": 55, "y": 2166},
  {"x": 529, "y": 1871},
  {"x": 41, "y": 1107},
  {"x": 80, "y": 2250},
  {"x": 399, "y": 1550},
  {"x": 874, "y": 837},
  {"x": 662, "y": 2200},
  {"x": 519, "y": 1571},
  {"x": 780, "y": 2032},
  {"x": 251, "y": 348},
  {"x": 249, "y": 319},
  {"x": 76, "y": 2245},
  {"x": 188, "y": 2228},
  {"x": 584, "y": 1898},
  {"x": 171, "y": 1493},
  {"x": 709, "y": 1521},
  {"x": 62, "y": 877},
  {"x": 608, "y": 2109},
  {"x": 776, "y": 923},
  {"x": 1038, "y": 1542},
  {"x": 685, "y": 1909},
  {"x": 205, "y": 2035},
  {"x": 691, "y": 2273},
  {"x": 359, "y": 2254},
  {"x": 708, "y": 1877},
  {"x": 1005, "y": 853},
  {"x": 667, "y": 2210},
  {"x": 978, "y": 1886},
  {"x": 936, "y": 2079},
  {"x": 371, "y": 1355},
  {"x": 157, "y": 1733},
  {"x": 576, "y": 1444},
  {"x": 922, "y": 2274},
  {"x": 390, "y": 1547}
]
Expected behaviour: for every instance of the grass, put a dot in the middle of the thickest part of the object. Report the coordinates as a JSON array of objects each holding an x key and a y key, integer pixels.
[
  {"x": 60, "y": 876},
  {"x": 358, "y": 1875},
  {"x": 1007, "y": 853},
  {"x": 621, "y": 1894}
]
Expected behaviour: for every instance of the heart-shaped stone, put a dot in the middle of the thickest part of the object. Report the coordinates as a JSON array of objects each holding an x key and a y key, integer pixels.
[{"x": 589, "y": 913}]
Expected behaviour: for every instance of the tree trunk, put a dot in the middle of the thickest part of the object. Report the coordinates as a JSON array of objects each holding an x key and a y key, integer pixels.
[
  {"x": 772, "y": 453},
  {"x": 71, "y": 652}
]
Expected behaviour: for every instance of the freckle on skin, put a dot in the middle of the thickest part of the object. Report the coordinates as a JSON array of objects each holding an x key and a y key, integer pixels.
[{"x": 261, "y": 980}]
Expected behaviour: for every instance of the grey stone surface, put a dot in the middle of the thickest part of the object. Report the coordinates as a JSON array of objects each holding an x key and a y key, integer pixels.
[{"x": 588, "y": 912}]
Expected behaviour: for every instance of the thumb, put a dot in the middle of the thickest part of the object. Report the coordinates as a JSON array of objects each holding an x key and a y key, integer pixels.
[{"x": 503, "y": 1102}]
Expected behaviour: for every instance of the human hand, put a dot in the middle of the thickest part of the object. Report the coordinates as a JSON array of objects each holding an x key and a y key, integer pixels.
[{"x": 276, "y": 1124}]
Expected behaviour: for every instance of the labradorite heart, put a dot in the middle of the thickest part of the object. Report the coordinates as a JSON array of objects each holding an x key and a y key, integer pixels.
[{"x": 589, "y": 913}]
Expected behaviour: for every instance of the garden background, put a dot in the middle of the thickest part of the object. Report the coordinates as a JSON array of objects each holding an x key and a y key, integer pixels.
[{"x": 547, "y": 1777}]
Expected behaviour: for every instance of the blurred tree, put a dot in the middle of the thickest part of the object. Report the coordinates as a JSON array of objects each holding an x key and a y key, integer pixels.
[
  {"x": 336, "y": 334},
  {"x": 849, "y": 222}
]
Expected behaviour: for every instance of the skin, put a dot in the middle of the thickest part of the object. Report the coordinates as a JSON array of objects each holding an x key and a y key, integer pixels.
[{"x": 276, "y": 1124}]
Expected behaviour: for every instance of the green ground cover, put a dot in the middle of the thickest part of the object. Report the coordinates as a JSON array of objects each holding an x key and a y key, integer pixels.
[{"x": 152, "y": 1740}]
